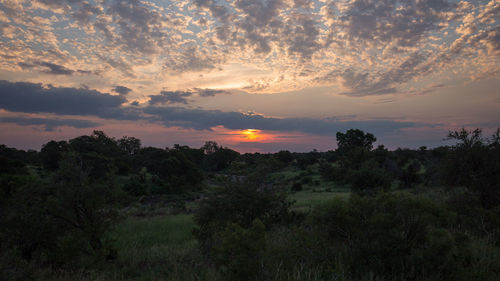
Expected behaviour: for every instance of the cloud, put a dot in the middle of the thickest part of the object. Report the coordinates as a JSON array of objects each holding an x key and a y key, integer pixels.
[
  {"x": 200, "y": 119},
  {"x": 118, "y": 64},
  {"x": 217, "y": 11},
  {"x": 191, "y": 59},
  {"x": 48, "y": 67},
  {"x": 34, "y": 98},
  {"x": 171, "y": 97},
  {"x": 122, "y": 90},
  {"x": 50, "y": 124},
  {"x": 86, "y": 12},
  {"x": 167, "y": 97},
  {"x": 303, "y": 34},
  {"x": 139, "y": 26},
  {"x": 52, "y": 68},
  {"x": 210, "y": 92},
  {"x": 402, "y": 22},
  {"x": 379, "y": 83}
]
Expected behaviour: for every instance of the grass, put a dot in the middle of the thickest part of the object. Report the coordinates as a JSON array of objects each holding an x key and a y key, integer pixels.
[
  {"x": 306, "y": 200},
  {"x": 154, "y": 248}
]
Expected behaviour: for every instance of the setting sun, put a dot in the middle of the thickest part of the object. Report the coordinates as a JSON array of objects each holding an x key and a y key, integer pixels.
[{"x": 251, "y": 134}]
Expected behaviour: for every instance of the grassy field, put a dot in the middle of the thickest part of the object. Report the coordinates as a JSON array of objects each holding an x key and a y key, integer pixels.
[
  {"x": 158, "y": 247},
  {"x": 304, "y": 201},
  {"x": 155, "y": 248}
]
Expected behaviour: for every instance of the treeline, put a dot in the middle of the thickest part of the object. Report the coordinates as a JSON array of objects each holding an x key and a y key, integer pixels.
[{"x": 425, "y": 214}]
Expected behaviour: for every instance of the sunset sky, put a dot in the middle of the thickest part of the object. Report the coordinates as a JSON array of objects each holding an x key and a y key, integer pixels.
[{"x": 253, "y": 75}]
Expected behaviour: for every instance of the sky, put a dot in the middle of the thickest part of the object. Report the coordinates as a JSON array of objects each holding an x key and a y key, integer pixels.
[{"x": 252, "y": 75}]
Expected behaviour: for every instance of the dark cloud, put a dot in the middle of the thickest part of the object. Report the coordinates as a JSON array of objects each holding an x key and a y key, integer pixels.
[
  {"x": 52, "y": 68},
  {"x": 48, "y": 67},
  {"x": 56, "y": 69},
  {"x": 171, "y": 97},
  {"x": 303, "y": 34},
  {"x": 260, "y": 22},
  {"x": 210, "y": 92},
  {"x": 191, "y": 59},
  {"x": 217, "y": 11},
  {"x": 302, "y": 3},
  {"x": 259, "y": 13},
  {"x": 379, "y": 83},
  {"x": 118, "y": 64},
  {"x": 493, "y": 40},
  {"x": 139, "y": 27},
  {"x": 167, "y": 97},
  {"x": 85, "y": 13},
  {"x": 200, "y": 119},
  {"x": 34, "y": 98},
  {"x": 400, "y": 21},
  {"x": 122, "y": 90},
  {"x": 50, "y": 124}
]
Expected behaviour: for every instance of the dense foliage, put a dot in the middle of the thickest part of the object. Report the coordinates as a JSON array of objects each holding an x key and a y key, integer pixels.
[{"x": 425, "y": 214}]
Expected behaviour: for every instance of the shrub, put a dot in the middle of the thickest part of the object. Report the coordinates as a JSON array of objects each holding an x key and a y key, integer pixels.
[
  {"x": 393, "y": 236},
  {"x": 368, "y": 179},
  {"x": 240, "y": 204},
  {"x": 297, "y": 186},
  {"x": 60, "y": 220},
  {"x": 240, "y": 250}
]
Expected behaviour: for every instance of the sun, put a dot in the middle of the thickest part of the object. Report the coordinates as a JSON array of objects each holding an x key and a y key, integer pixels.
[{"x": 251, "y": 134}]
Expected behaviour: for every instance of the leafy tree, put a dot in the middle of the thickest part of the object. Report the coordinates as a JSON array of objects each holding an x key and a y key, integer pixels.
[
  {"x": 354, "y": 138},
  {"x": 52, "y": 152},
  {"x": 194, "y": 155},
  {"x": 60, "y": 220},
  {"x": 284, "y": 156},
  {"x": 466, "y": 139},
  {"x": 354, "y": 147},
  {"x": 172, "y": 167},
  {"x": 410, "y": 174},
  {"x": 98, "y": 142},
  {"x": 474, "y": 164},
  {"x": 129, "y": 145},
  {"x": 217, "y": 157}
]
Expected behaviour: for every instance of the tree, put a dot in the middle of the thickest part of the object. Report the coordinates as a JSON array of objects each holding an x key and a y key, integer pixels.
[
  {"x": 353, "y": 148},
  {"x": 52, "y": 153},
  {"x": 129, "y": 145},
  {"x": 284, "y": 156},
  {"x": 210, "y": 147},
  {"x": 475, "y": 165},
  {"x": 354, "y": 138},
  {"x": 466, "y": 139},
  {"x": 217, "y": 157},
  {"x": 61, "y": 219},
  {"x": 173, "y": 169}
]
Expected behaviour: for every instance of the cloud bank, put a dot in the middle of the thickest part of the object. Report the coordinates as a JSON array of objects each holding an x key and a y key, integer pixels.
[{"x": 24, "y": 97}]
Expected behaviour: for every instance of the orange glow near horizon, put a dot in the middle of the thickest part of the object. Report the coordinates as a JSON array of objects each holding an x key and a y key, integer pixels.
[{"x": 251, "y": 135}]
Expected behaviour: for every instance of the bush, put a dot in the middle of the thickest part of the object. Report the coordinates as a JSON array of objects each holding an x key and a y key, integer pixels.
[
  {"x": 369, "y": 179},
  {"x": 297, "y": 186},
  {"x": 393, "y": 236},
  {"x": 59, "y": 221},
  {"x": 240, "y": 204},
  {"x": 239, "y": 253}
]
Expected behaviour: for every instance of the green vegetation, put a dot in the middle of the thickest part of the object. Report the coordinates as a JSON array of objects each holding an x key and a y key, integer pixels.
[{"x": 98, "y": 208}]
